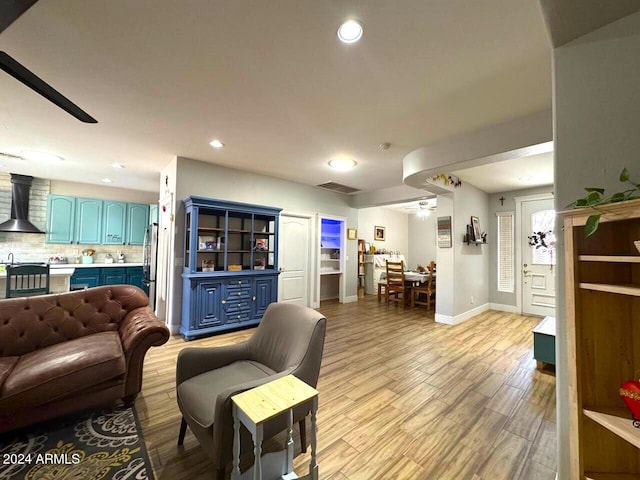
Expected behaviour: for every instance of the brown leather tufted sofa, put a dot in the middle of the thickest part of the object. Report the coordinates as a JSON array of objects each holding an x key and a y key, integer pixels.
[{"x": 71, "y": 351}]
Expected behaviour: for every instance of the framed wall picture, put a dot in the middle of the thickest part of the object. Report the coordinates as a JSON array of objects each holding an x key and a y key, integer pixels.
[
  {"x": 444, "y": 232},
  {"x": 352, "y": 234},
  {"x": 477, "y": 233},
  {"x": 378, "y": 233}
]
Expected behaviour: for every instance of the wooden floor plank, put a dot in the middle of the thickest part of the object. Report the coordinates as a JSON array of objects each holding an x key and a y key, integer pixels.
[{"x": 401, "y": 397}]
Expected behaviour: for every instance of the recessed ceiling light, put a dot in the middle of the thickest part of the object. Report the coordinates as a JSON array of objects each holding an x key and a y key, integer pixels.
[
  {"x": 350, "y": 31},
  {"x": 216, "y": 144},
  {"x": 106, "y": 180},
  {"x": 117, "y": 165},
  {"x": 41, "y": 156},
  {"x": 342, "y": 164},
  {"x": 526, "y": 178}
]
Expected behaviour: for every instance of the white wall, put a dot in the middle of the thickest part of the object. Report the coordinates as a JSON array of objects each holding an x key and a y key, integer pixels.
[
  {"x": 204, "y": 179},
  {"x": 445, "y": 260},
  {"x": 471, "y": 261},
  {"x": 396, "y": 225},
  {"x": 76, "y": 189},
  {"x": 422, "y": 240},
  {"x": 596, "y": 109}
]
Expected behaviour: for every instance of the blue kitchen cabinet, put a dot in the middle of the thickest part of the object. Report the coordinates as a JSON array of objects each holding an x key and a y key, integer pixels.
[
  {"x": 113, "y": 276},
  {"x": 114, "y": 222},
  {"x": 85, "y": 278},
  {"x": 88, "y": 221},
  {"x": 60, "y": 219},
  {"x": 135, "y": 277},
  {"x": 137, "y": 222}
]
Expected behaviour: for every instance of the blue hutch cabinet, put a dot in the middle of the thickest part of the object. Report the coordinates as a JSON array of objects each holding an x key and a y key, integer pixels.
[{"x": 230, "y": 272}]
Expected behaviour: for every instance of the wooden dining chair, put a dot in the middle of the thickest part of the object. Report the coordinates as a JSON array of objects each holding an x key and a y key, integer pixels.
[
  {"x": 27, "y": 280},
  {"x": 428, "y": 289},
  {"x": 397, "y": 289}
]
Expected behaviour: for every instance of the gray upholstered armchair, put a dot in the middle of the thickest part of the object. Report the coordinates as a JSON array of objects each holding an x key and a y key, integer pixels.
[{"x": 289, "y": 340}]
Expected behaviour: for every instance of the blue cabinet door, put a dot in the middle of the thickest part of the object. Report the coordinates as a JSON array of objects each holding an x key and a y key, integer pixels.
[
  {"x": 85, "y": 278},
  {"x": 265, "y": 290},
  {"x": 153, "y": 213},
  {"x": 113, "y": 276},
  {"x": 60, "y": 219},
  {"x": 137, "y": 222},
  {"x": 88, "y": 221},
  {"x": 114, "y": 222},
  {"x": 208, "y": 300},
  {"x": 135, "y": 276}
]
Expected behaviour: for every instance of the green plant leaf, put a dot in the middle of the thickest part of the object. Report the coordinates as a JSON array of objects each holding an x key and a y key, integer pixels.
[
  {"x": 592, "y": 225},
  {"x": 593, "y": 197},
  {"x": 624, "y": 175},
  {"x": 618, "y": 197},
  {"x": 581, "y": 202},
  {"x": 594, "y": 189}
]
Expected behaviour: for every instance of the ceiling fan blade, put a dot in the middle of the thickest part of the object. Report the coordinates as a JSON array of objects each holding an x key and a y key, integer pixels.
[
  {"x": 10, "y": 10},
  {"x": 31, "y": 80}
]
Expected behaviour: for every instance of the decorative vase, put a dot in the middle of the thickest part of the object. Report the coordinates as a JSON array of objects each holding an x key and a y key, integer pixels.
[{"x": 630, "y": 393}]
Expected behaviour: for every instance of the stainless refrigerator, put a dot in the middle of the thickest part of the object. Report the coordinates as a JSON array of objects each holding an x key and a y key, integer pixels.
[{"x": 150, "y": 262}]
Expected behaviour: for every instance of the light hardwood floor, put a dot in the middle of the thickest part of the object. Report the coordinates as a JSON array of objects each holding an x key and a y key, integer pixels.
[{"x": 401, "y": 397}]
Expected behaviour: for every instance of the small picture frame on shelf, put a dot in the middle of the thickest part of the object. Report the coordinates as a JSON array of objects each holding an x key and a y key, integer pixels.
[
  {"x": 261, "y": 244},
  {"x": 208, "y": 266},
  {"x": 477, "y": 233},
  {"x": 379, "y": 233},
  {"x": 259, "y": 264},
  {"x": 207, "y": 243},
  {"x": 352, "y": 234}
]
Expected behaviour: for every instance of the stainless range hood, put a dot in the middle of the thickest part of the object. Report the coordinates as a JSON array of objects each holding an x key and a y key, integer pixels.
[{"x": 19, "y": 223}]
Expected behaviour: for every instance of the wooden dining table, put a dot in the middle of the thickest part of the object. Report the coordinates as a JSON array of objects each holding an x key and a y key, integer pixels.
[{"x": 409, "y": 276}]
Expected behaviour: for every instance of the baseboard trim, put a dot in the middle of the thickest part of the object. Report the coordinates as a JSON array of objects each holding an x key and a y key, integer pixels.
[
  {"x": 351, "y": 299},
  {"x": 503, "y": 308},
  {"x": 174, "y": 329},
  {"x": 449, "y": 320}
]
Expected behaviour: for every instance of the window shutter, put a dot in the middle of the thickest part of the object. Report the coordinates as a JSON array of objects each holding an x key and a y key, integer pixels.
[{"x": 505, "y": 252}]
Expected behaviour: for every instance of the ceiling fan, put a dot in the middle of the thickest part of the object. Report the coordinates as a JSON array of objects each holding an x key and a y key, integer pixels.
[
  {"x": 9, "y": 12},
  {"x": 423, "y": 208}
]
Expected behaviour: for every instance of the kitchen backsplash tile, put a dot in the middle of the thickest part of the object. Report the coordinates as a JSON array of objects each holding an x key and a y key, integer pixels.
[{"x": 30, "y": 247}]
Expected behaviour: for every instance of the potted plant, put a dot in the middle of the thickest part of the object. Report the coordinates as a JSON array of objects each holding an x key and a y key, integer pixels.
[{"x": 595, "y": 197}]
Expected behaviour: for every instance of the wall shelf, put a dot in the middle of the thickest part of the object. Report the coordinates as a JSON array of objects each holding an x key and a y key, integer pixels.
[
  {"x": 618, "y": 422},
  {"x": 632, "y": 290},
  {"x": 610, "y": 258}
]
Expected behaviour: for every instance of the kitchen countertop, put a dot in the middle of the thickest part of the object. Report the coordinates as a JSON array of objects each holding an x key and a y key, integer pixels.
[
  {"x": 93, "y": 265},
  {"x": 67, "y": 270}
]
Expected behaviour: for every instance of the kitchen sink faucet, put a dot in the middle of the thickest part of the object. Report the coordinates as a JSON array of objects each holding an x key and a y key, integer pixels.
[{"x": 10, "y": 258}]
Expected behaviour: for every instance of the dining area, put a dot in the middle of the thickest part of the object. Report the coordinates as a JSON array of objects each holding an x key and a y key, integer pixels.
[{"x": 408, "y": 288}]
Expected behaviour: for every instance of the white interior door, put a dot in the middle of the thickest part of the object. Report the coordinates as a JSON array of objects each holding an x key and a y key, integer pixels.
[
  {"x": 539, "y": 260},
  {"x": 294, "y": 260}
]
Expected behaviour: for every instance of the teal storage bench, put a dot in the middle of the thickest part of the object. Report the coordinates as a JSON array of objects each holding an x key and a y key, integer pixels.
[{"x": 544, "y": 342}]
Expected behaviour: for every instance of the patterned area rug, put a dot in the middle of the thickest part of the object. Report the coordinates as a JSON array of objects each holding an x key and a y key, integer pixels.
[{"x": 96, "y": 445}]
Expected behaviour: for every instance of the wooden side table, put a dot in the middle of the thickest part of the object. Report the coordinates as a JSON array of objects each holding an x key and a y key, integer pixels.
[{"x": 255, "y": 407}]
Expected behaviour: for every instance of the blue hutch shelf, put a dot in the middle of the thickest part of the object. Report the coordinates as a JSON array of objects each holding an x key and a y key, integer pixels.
[{"x": 230, "y": 272}]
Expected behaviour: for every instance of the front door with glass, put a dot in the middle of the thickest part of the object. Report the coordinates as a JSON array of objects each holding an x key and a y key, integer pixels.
[{"x": 538, "y": 257}]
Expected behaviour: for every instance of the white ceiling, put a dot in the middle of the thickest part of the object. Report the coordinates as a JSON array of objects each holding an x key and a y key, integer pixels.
[
  {"x": 270, "y": 80},
  {"x": 514, "y": 174}
]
